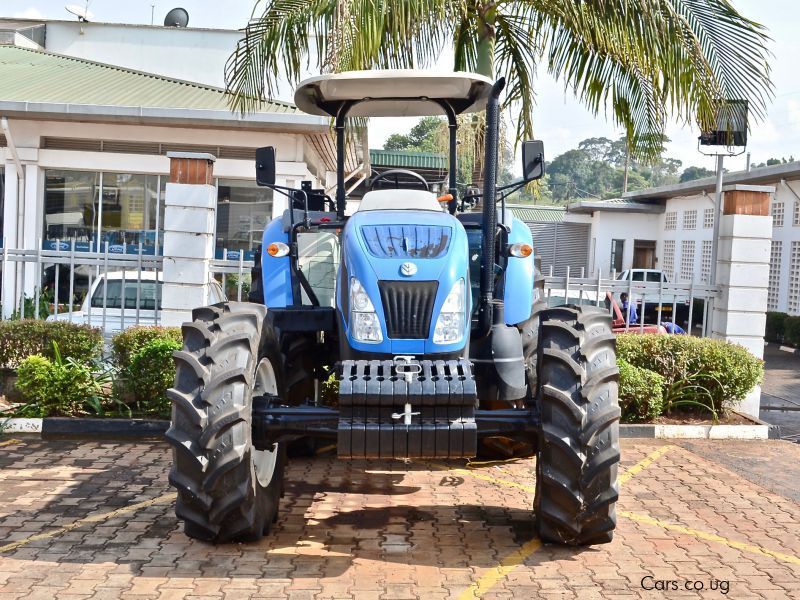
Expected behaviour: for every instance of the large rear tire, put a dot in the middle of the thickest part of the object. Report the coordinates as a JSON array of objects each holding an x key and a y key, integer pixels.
[
  {"x": 576, "y": 467},
  {"x": 227, "y": 490}
]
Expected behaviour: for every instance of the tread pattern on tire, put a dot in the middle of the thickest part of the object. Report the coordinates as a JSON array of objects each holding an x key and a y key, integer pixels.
[
  {"x": 576, "y": 468},
  {"x": 218, "y": 495}
]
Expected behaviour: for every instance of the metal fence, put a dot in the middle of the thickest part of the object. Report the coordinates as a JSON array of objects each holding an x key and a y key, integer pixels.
[
  {"x": 684, "y": 303},
  {"x": 59, "y": 281}
]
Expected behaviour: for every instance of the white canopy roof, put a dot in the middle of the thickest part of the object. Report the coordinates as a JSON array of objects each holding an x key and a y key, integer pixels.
[{"x": 393, "y": 93}]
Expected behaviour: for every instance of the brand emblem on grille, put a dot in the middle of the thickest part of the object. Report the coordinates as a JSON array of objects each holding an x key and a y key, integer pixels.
[{"x": 408, "y": 269}]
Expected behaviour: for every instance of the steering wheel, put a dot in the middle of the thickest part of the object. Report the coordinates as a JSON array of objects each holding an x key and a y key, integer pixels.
[{"x": 396, "y": 174}]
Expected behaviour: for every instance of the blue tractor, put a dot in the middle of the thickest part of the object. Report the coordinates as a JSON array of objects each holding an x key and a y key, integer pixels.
[{"x": 429, "y": 318}]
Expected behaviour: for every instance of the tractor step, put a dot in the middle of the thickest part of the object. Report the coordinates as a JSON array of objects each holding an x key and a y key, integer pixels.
[{"x": 407, "y": 408}]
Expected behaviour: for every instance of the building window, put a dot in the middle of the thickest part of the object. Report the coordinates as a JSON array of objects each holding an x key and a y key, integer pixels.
[
  {"x": 93, "y": 209},
  {"x": 687, "y": 260},
  {"x": 705, "y": 261},
  {"x": 708, "y": 218},
  {"x": 774, "y": 274},
  {"x": 794, "y": 279},
  {"x": 617, "y": 248},
  {"x": 670, "y": 220},
  {"x": 690, "y": 219},
  {"x": 243, "y": 211},
  {"x": 669, "y": 257},
  {"x": 777, "y": 214},
  {"x": 796, "y": 214}
]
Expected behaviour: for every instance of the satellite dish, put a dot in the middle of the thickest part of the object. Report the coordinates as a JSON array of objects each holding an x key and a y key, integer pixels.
[
  {"x": 177, "y": 17},
  {"x": 82, "y": 12}
]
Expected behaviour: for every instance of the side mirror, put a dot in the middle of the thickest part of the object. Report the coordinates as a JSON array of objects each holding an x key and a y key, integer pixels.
[
  {"x": 265, "y": 165},
  {"x": 532, "y": 160}
]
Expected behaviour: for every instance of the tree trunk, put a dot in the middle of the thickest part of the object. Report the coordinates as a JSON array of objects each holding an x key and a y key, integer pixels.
[{"x": 484, "y": 66}]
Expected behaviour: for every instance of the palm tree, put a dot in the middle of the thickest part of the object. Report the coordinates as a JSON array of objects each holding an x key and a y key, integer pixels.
[{"x": 640, "y": 61}]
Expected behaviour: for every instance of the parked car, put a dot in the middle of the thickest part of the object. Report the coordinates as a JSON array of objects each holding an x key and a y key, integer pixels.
[{"x": 117, "y": 315}]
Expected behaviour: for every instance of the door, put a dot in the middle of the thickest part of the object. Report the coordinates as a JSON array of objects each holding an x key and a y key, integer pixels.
[{"x": 644, "y": 254}]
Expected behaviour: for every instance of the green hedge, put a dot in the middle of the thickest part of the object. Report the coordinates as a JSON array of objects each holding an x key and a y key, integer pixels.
[
  {"x": 150, "y": 372},
  {"x": 641, "y": 392},
  {"x": 127, "y": 343},
  {"x": 713, "y": 373},
  {"x": 21, "y": 339},
  {"x": 783, "y": 329}
]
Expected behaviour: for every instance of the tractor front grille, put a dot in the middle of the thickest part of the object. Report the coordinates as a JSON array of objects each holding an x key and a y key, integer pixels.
[{"x": 408, "y": 306}]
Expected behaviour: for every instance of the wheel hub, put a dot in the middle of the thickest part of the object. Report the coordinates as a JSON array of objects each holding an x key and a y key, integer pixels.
[{"x": 264, "y": 461}]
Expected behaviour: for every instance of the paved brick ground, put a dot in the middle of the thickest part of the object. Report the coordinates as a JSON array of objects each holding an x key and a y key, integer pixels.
[{"x": 696, "y": 513}]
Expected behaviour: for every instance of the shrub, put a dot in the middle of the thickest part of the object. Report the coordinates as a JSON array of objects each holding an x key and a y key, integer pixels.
[
  {"x": 127, "y": 343},
  {"x": 710, "y": 372},
  {"x": 776, "y": 323},
  {"x": 641, "y": 392},
  {"x": 21, "y": 339},
  {"x": 150, "y": 372},
  {"x": 791, "y": 333},
  {"x": 57, "y": 387}
]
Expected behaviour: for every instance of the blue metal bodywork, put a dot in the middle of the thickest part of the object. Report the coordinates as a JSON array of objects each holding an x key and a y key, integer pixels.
[
  {"x": 374, "y": 246},
  {"x": 370, "y": 259},
  {"x": 518, "y": 290}
]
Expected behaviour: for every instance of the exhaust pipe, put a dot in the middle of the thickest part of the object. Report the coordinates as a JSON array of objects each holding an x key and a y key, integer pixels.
[{"x": 490, "y": 206}]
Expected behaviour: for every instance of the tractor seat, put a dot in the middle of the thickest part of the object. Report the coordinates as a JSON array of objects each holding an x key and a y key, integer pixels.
[{"x": 399, "y": 200}]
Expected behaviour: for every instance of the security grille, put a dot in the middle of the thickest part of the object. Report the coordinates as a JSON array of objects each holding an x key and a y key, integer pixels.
[
  {"x": 671, "y": 220},
  {"x": 774, "y": 274},
  {"x": 690, "y": 219},
  {"x": 796, "y": 216},
  {"x": 705, "y": 262},
  {"x": 708, "y": 218},
  {"x": 687, "y": 259},
  {"x": 777, "y": 214},
  {"x": 794, "y": 279},
  {"x": 669, "y": 257}
]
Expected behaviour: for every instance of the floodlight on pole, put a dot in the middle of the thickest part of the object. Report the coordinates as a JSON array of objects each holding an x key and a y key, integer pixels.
[{"x": 728, "y": 138}]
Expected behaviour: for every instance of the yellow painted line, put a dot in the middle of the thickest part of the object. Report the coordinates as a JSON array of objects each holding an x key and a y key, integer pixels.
[
  {"x": 501, "y": 571},
  {"x": 516, "y": 558},
  {"x": 90, "y": 519},
  {"x": 643, "y": 464},
  {"x": 711, "y": 537},
  {"x": 10, "y": 442}
]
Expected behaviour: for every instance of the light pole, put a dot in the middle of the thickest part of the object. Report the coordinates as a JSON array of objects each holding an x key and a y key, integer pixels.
[{"x": 728, "y": 139}]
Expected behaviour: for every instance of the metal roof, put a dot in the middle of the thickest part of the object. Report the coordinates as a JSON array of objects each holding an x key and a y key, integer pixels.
[
  {"x": 538, "y": 214},
  {"x": 34, "y": 76},
  {"x": 626, "y": 204},
  {"x": 38, "y": 84},
  {"x": 407, "y": 159},
  {"x": 762, "y": 175}
]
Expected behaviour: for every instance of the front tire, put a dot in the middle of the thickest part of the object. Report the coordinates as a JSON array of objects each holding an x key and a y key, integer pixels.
[
  {"x": 576, "y": 467},
  {"x": 227, "y": 490}
]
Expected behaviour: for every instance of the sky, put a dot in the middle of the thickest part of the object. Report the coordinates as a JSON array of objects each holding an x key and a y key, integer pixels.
[{"x": 559, "y": 119}]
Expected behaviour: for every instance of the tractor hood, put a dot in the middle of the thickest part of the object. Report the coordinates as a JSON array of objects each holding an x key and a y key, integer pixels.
[{"x": 411, "y": 254}]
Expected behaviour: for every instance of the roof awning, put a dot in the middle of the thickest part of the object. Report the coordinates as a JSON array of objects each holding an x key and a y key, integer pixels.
[{"x": 393, "y": 93}]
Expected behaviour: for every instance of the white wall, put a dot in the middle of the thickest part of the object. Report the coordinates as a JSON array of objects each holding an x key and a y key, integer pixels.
[
  {"x": 613, "y": 225},
  {"x": 680, "y": 206},
  {"x": 786, "y": 234},
  {"x": 191, "y": 54}
]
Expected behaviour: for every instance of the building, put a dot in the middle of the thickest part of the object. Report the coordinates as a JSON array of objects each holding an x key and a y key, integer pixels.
[
  {"x": 671, "y": 228},
  {"x": 83, "y": 150}
]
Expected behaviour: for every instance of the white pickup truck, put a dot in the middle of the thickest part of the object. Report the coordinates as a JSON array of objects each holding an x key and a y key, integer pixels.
[{"x": 120, "y": 315}]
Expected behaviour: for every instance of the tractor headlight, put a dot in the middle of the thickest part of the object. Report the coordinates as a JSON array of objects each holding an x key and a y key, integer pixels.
[
  {"x": 364, "y": 323},
  {"x": 450, "y": 322}
]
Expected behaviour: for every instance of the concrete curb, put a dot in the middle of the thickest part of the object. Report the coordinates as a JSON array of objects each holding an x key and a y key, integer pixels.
[
  {"x": 50, "y": 427},
  {"x": 151, "y": 428}
]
